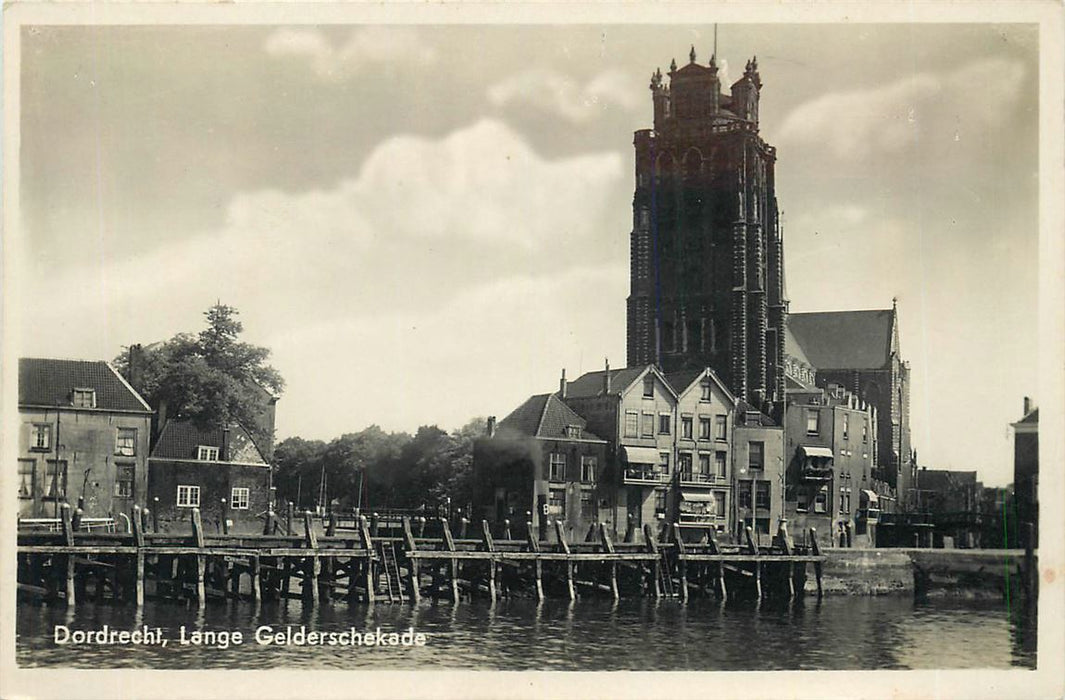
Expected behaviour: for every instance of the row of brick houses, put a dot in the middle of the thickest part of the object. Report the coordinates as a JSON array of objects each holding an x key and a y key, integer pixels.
[{"x": 86, "y": 438}]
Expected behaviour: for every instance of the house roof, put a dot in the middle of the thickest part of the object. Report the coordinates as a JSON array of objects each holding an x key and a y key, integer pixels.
[
  {"x": 590, "y": 384},
  {"x": 181, "y": 439},
  {"x": 683, "y": 379},
  {"x": 545, "y": 416},
  {"x": 1032, "y": 417},
  {"x": 844, "y": 339},
  {"x": 47, "y": 382},
  {"x": 943, "y": 480}
]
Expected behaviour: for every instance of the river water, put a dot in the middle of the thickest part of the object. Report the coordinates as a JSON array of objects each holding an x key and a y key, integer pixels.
[{"x": 588, "y": 635}]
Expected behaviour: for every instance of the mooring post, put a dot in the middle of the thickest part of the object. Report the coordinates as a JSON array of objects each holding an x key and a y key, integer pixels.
[
  {"x": 786, "y": 547},
  {"x": 506, "y": 529},
  {"x": 366, "y": 542},
  {"x": 655, "y": 572},
  {"x": 612, "y": 565},
  {"x": 711, "y": 541},
  {"x": 75, "y": 520},
  {"x": 290, "y": 509},
  {"x": 331, "y": 531},
  {"x": 630, "y": 528},
  {"x": 453, "y": 568},
  {"x": 201, "y": 559},
  {"x": 268, "y": 525},
  {"x": 563, "y": 546},
  {"x": 682, "y": 563},
  {"x": 137, "y": 521},
  {"x": 413, "y": 580},
  {"x": 375, "y": 525},
  {"x": 311, "y": 563},
  {"x": 68, "y": 539},
  {"x": 145, "y": 519},
  {"x": 538, "y": 565},
  {"x": 225, "y": 516},
  {"x": 421, "y": 526},
  {"x": 489, "y": 546},
  {"x": 816, "y": 549}
]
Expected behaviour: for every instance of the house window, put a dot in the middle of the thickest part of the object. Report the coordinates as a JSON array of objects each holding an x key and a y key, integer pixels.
[
  {"x": 846, "y": 424},
  {"x": 188, "y": 496},
  {"x": 865, "y": 431},
  {"x": 704, "y": 463},
  {"x": 55, "y": 479},
  {"x": 744, "y": 493},
  {"x": 240, "y": 497},
  {"x": 684, "y": 465},
  {"x": 821, "y": 500},
  {"x": 124, "y": 480},
  {"x": 686, "y": 427},
  {"x": 664, "y": 423},
  {"x": 761, "y": 495},
  {"x": 720, "y": 427},
  {"x": 206, "y": 453},
  {"x": 632, "y": 423},
  {"x": 648, "y": 387},
  {"x": 705, "y": 396},
  {"x": 557, "y": 471},
  {"x": 587, "y": 506},
  {"x": 660, "y": 500},
  {"x": 704, "y": 427},
  {"x": 41, "y": 436},
  {"x": 648, "y": 425},
  {"x": 126, "y": 442},
  {"x": 663, "y": 462},
  {"x": 589, "y": 467},
  {"x": 719, "y": 464},
  {"x": 573, "y": 432},
  {"x": 719, "y": 503},
  {"x": 556, "y": 503},
  {"x": 756, "y": 455},
  {"x": 84, "y": 398},
  {"x": 812, "y": 418},
  {"x": 27, "y": 477}
]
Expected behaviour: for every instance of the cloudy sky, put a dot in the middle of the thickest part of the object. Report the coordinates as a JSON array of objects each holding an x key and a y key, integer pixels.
[{"x": 426, "y": 223}]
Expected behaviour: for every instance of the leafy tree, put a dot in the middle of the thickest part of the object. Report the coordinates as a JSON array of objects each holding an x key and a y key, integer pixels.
[{"x": 212, "y": 378}]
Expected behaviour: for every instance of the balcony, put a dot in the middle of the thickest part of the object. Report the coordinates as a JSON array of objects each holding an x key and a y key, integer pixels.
[
  {"x": 645, "y": 474},
  {"x": 697, "y": 478},
  {"x": 701, "y": 520}
]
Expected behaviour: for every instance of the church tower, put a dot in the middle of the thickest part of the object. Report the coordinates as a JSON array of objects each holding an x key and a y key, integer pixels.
[{"x": 707, "y": 258}]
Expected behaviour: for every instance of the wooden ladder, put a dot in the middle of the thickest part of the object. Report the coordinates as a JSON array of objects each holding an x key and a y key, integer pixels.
[
  {"x": 665, "y": 577},
  {"x": 391, "y": 566}
]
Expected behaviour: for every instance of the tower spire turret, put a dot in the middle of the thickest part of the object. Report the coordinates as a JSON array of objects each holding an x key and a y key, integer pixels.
[{"x": 691, "y": 55}]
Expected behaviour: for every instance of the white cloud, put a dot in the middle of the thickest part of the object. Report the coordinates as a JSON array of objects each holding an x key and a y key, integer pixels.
[
  {"x": 365, "y": 45},
  {"x": 558, "y": 93},
  {"x": 482, "y": 353},
  {"x": 284, "y": 255},
  {"x": 923, "y": 107}
]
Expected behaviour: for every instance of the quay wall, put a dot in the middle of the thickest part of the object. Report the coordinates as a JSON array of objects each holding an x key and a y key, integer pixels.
[{"x": 934, "y": 572}]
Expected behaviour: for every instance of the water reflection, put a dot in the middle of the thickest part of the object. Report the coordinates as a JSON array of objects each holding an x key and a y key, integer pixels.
[{"x": 587, "y": 634}]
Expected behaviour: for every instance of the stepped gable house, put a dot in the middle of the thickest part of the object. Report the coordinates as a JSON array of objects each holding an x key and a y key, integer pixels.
[
  {"x": 707, "y": 255},
  {"x": 83, "y": 438},
  {"x": 221, "y": 471}
]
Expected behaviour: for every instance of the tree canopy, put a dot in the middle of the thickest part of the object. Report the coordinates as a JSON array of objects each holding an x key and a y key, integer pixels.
[{"x": 212, "y": 378}]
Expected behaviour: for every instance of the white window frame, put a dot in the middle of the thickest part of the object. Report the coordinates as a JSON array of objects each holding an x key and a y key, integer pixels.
[
  {"x": 185, "y": 494},
  {"x": 634, "y": 416},
  {"x": 686, "y": 427},
  {"x": 79, "y": 394},
  {"x": 816, "y": 415},
  {"x": 663, "y": 462},
  {"x": 704, "y": 422},
  {"x": 119, "y": 469},
  {"x": 556, "y": 459},
  {"x": 721, "y": 427},
  {"x": 589, "y": 469},
  {"x": 665, "y": 420},
  {"x": 126, "y": 450},
  {"x": 38, "y": 430},
  {"x": 207, "y": 453},
  {"x": 240, "y": 497},
  {"x": 647, "y": 430}
]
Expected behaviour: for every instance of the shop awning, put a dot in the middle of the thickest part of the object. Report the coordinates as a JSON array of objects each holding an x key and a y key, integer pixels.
[
  {"x": 639, "y": 455},
  {"x": 815, "y": 451},
  {"x": 698, "y": 496},
  {"x": 870, "y": 496}
]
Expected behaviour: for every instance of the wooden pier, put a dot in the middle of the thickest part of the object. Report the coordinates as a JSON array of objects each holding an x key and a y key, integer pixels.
[{"x": 357, "y": 566}]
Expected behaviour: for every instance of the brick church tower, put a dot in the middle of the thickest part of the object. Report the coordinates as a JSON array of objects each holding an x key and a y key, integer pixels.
[{"x": 707, "y": 258}]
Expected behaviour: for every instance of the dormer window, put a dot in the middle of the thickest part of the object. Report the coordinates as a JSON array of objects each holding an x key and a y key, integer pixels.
[
  {"x": 573, "y": 432},
  {"x": 648, "y": 387},
  {"x": 706, "y": 392},
  {"x": 207, "y": 453},
  {"x": 83, "y": 398}
]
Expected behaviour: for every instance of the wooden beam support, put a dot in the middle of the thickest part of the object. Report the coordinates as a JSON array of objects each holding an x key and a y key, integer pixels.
[
  {"x": 489, "y": 546},
  {"x": 367, "y": 568},
  {"x": 678, "y": 542},
  {"x": 656, "y": 566},
  {"x": 816, "y": 549},
  {"x": 413, "y": 575}
]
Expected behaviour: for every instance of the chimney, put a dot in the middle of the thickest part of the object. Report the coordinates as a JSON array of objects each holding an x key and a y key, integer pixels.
[
  {"x": 224, "y": 452},
  {"x": 1027, "y": 406},
  {"x": 136, "y": 364},
  {"x": 562, "y": 385},
  {"x": 606, "y": 377},
  {"x": 490, "y": 429}
]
